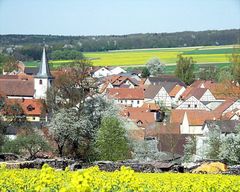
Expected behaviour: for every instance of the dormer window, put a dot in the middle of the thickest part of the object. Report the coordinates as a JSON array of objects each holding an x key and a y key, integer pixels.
[
  {"x": 40, "y": 81},
  {"x": 139, "y": 123},
  {"x": 30, "y": 108}
]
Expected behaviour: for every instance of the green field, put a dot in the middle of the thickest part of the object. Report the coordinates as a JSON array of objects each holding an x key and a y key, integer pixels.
[{"x": 218, "y": 55}]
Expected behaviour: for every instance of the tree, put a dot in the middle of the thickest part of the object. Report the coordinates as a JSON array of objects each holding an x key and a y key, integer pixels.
[
  {"x": 145, "y": 73},
  {"x": 224, "y": 75},
  {"x": 147, "y": 150},
  {"x": 190, "y": 148},
  {"x": 235, "y": 63},
  {"x": 30, "y": 145},
  {"x": 111, "y": 141},
  {"x": 155, "y": 67},
  {"x": 213, "y": 143},
  {"x": 185, "y": 69},
  {"x": 67, "y": 127},
  {"x": 230, "y": 147},
  {"x": 71, "y": 88}
]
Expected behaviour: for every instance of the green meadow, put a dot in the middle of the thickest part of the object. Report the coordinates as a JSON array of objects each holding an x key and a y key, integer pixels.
[{"x": 214, "y": 55}]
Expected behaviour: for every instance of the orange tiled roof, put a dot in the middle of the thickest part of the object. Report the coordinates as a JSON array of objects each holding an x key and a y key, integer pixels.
[
  {"x": 195, "y": 117},
  {"x": 32, "y": 107},
  {"x": 139, "y": 114},
  {"x": 126, "y": 93},
  {"x": 175, "y": 90}
]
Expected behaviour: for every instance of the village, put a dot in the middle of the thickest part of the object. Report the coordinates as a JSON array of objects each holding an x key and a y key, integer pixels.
[{"x": 160, "y": 109}]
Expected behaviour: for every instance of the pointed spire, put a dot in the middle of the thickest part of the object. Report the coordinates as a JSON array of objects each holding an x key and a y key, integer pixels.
[{"x": 44, "y": 70}]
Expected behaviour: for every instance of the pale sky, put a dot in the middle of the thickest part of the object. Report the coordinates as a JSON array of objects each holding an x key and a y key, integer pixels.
[{"x": 112, "y": 17}]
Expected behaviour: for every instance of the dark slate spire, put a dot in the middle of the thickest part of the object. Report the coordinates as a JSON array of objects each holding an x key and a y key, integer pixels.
[{"x": 44, "y": 71}]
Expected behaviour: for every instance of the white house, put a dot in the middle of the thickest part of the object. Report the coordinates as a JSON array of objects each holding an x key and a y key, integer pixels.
[
  {"x": 117, "y": 70},
  {"x": 101, "y": 72},
  {"x": 127, "y": 97},
  {"x": 193, "y": 103},
  {"x": 157, "y": 94}
]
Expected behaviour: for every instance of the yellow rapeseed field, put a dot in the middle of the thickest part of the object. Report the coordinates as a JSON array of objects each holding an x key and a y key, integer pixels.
[{"x": 125, "y": 180}]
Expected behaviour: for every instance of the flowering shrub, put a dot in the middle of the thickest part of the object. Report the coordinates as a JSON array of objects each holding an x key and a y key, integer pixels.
[{"x": 92, "y": 179}]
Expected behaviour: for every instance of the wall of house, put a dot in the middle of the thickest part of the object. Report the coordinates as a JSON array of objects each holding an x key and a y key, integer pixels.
[
  {"x": 132, "y": 103},
  {"x": 163, "y": 98},
  {"x": 19, "y": 97},
  {"x": 117, "y": 70},
  {"x": 207, "y": 96},
  {"x": 102, "y": 72},
  {"x": 33, "y": 119},
  {"x": 192, "y": 103}
]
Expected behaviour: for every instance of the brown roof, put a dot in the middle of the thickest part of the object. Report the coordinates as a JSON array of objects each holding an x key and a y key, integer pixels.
[
  {"x": 160, "y": 128},
  {"x": 205, "y": 83},
  {"x": 126, "y": 93},
  {"x": 152, "y": 90},
  {"x": 196, "y": 92},
  {"x": 17, "y": 87},
  {"x": 195, "y": 117},
  {"x": 175, "y": 90}
]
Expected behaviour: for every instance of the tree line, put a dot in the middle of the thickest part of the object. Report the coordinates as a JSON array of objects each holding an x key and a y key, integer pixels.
[{"x": 132, "y": 41}]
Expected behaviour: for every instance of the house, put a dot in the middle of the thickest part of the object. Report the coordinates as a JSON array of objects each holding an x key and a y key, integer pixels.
[
  {"x": 117, "y": 70},
  {"x": 157, "y": 94},
  {"x": 117, "y": 81},
  {"x": 191, "y": 121},
  {"x": 227, "y": 106},
  {"x": 164, "y": 78},
  {"x": 202, "y": 94},
  {"x": 232, "y": 115},
  {"x": 176, "y": 92},
  {"x": 98, "y": 72},
  {"x": 192, "y": 103},
  {"x": 141, "y": 116},
  {"x": 33, "y": 109},
  {"x": 125, "y": 96},
  {"x": 17, "y": 88}
]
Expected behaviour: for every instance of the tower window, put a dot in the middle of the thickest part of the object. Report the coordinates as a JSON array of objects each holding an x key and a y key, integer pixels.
[{"x": 40, "y": 81}]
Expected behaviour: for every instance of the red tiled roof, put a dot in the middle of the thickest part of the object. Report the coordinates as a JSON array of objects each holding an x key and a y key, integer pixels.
[
  {"x": 195, "y": 117},
  {"x": 139, "y": 114},
  {"x": 32, "y": 107},
  {"x": 126, "y": 93}
]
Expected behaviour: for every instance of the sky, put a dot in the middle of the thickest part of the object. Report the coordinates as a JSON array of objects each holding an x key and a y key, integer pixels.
[{"x": 116, "y": 17}]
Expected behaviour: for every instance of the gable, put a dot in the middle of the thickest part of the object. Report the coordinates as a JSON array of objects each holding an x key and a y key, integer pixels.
[
  {"x": 192, "y": 103},
  {"x": 207, "y": 96}
]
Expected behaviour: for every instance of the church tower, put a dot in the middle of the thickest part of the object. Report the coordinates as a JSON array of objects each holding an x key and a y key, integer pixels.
[{"x": 43, "y": 80}]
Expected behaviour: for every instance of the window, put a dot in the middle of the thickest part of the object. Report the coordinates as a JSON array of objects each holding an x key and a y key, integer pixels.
[
  {"x": 33, "y": 118},
  {"x": 137, "y": 102},
  {"x": 121, "y": 101},
  {"x": 195, "y": 105},
  {"x": 189, "y": 105},
  {"x": 40, "y": 81}
]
